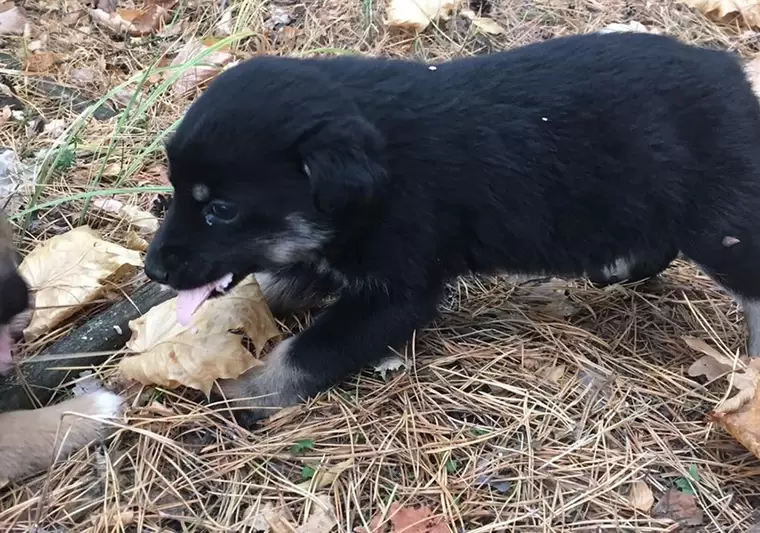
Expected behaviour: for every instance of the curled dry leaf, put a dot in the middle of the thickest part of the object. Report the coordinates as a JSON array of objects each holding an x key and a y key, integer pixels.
[
  {"x": 743, "y": 423},
  {"x": 640, "y": 496},
  {"x": 417, "y": 15},
  {"x": 406, "y": 520},
  {"x": 747, "y": 11},
  {"x": 69, "y": 270},
  {"x": 145, "y": 222},
  {"x": 484, "y": 24},
  {"x": 389, "y": 364},
  {"x": 679, "y": 507},
  {"x": 12, "y": 19},
  {"x": 172, "y": 355},
  {"x": 325, "y": 476},
  {"x": 204, "y": 70},
  {"x": 150, "y": 18},
  {"x": 322, "y": 517}
]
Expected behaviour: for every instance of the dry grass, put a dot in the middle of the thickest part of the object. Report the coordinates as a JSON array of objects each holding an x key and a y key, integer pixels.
[{"x": 525, "y": 407}]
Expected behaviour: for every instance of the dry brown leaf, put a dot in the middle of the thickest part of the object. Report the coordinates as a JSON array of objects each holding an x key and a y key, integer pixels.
[
  {"x": 640, "y": 496},
  {"x": 204, "y": 70},
  {"x": 322, "y": 517},
  {"x": 41, "y": 62},
  {"x": 389, "y": 364},
  {"x": 145, "y": 222},
  {"x": 136, "y": 242},
  {"x": 728, "y": 10},
  {"x": 701, "y": 346},
  {"x": 709, "y": 367},
  {"x": 171, "y": 355},
  {"x": 406, "y": 520},
  {"x": 69, "y": 270},
  {"x": 114, "y": 518},
  {"x": 150, "y": 18},
  {"x": 12, "y": 19},
  {"x": 417, "y": 15},
  {"x": 743, "y": 423},
  {"x": 553, "y": 373},
  {"x": 324, "y": 477},
  {"x": 679, "y": 507},
  {"x": 484, "y": 24}
]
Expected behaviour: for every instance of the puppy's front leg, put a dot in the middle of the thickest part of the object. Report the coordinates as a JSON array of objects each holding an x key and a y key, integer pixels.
[{"x": 355, "y": 332}]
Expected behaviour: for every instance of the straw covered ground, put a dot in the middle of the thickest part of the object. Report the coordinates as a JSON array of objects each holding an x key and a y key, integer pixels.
[{"x": 533, "y": 406}]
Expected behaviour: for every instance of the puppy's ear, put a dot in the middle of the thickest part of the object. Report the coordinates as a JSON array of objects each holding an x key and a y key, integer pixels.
[{"x": 345, "y": 162}]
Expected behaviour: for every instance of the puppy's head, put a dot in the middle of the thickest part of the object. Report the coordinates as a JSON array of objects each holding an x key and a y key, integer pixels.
[
  {"x": 14, "y": 295},
  {"x": 267, "y": 166}
]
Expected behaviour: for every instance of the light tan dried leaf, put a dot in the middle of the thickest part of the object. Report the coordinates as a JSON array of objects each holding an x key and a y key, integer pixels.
[
  {"x": 12, "y": 19},
  {"x": 747, "y": 11},
  {"x": 742, "y": 421},
  {"x": 195, "y": 356},
  {"x": 204, "y": 70},
  {"x": 679, "y": 507},
  {"x": 389, "y": 364},
  {"x": 145, "y": 222},
  {"x": 324, "y": 477},
  {"x": 322, "y": 517},
  {"x": 69, "y": 270},
  {"x": 135, "y": 242},
  {"x": 709, "y": 367},
  {"x": 640, "y": 496},
  {"x": 417, "y": 15},
  {"x": 136, "y": 22},
  {"x": 406, "y": 520},
  {"x": 701, "y": 346},
  {"x": 553, "y": 373}
]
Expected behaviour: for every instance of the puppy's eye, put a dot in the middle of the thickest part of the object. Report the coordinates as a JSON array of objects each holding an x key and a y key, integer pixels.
[{"x": 220, "y": 212}]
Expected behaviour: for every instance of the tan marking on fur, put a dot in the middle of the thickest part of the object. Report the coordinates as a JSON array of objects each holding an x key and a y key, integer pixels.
[{"x": 30, "y": 440}]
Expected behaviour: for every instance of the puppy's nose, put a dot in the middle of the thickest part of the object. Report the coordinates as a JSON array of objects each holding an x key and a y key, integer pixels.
[
  {"x": 156, "y": 272},
  {"x": 15, "y": 297}
]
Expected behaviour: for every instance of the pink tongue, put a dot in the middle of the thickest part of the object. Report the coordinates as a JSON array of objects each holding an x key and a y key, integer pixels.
[
  {"x": 6, "y": 362},
  {"x": 188, "y": 302}
]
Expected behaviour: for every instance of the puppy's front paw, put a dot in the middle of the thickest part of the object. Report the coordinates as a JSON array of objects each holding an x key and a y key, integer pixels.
[{"x": 265, "y": 389}]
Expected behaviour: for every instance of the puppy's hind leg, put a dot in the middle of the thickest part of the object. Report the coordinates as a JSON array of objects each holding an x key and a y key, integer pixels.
[
  {"x": 31, "y": 440},
  {"x": 736, "y": 267}
]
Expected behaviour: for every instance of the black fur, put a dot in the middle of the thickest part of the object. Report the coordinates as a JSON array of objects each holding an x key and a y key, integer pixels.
[{"x": 556, "y": 158}]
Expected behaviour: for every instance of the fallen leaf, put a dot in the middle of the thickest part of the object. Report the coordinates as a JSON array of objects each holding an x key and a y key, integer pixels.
[
  {"x": 552, "y": 373},
  {"x": 135, "y": 242},
  {"x": 139, "y": 218},
  {"x": 263, "y": 516},
  {"x": 12, "y": 19},
  {"x": 701, "y": 346},
  {"x": 406, "y": 520},
  {"x": 113, "y": 518},
  {"x": 150, "y": 18},
  {"x": 204, "y": 69},
  {"x": 325, "y": 476},
  {"x": 322, "y": 517},
  {"x": 679, "y": 507},
  {"x": 709, "y": 367},
  {"x": 633, "y": 26},
  {"x": 742, "y": 421},
  {"x": 171, "y": 355},
  {"x": 69, "y": 270},
  {"x": 389, "y": 364},
  {"x": 640, "y": 496},
  {"x": 728, "y": 10},
  {"x": 41, "y": 61},
  {"x": 417, "y": 15},
  {"x": 484, "y": 24}
]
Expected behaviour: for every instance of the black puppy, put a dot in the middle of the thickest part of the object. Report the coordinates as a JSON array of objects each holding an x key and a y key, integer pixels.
[{"x": 379, "y": 180}]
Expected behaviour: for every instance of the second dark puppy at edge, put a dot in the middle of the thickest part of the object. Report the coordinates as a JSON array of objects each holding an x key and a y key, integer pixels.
[{"x": 379, "y": 180}]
